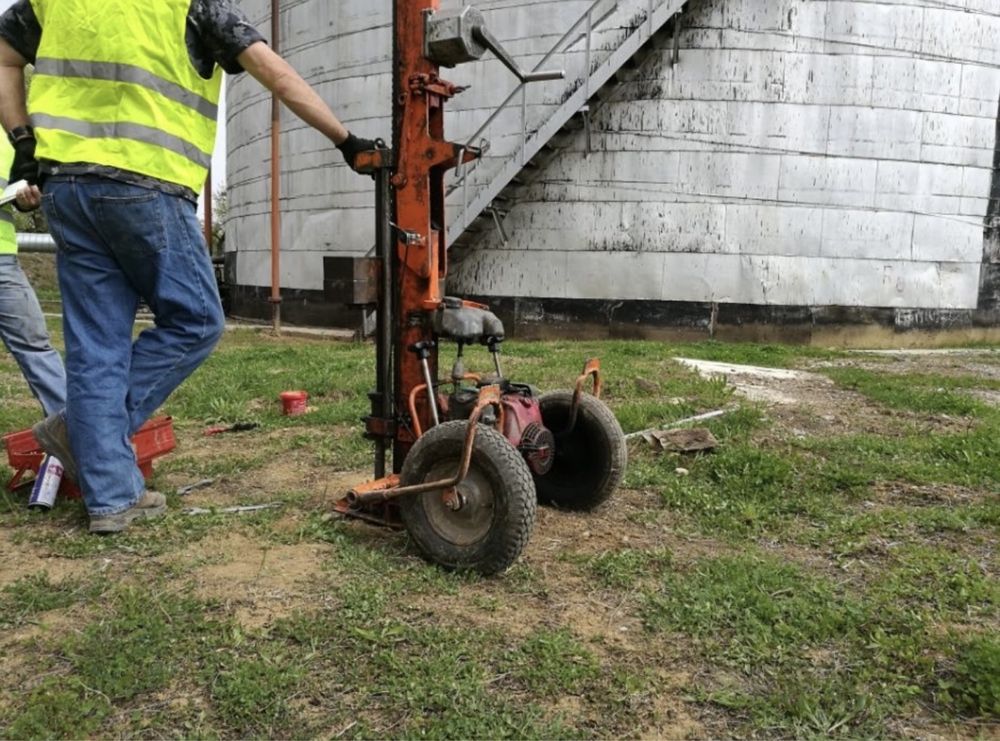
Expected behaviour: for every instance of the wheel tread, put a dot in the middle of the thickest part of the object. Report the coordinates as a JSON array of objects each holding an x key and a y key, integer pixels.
[
  {"x": 503, "y": 550},
  {"x": 603, "y": 425}
]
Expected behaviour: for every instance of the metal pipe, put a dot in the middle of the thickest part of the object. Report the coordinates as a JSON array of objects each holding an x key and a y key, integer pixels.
[
  {"x": 591, "y": 369},
  {"x": 275, "y": 180},
  {"x": 208, "y": 211},
  {"x": 487, "y": 39},
  {"x": 524, "y": 122},
  {"x": 35, "y": 243},
  {"x": 385, "y": 245},
  {"x": 431, "y": 392},
  {"x": 418, "y": 431}
]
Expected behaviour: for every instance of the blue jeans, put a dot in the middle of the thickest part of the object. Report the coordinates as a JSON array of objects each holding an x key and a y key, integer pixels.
[
  {"x": 118, "y": 244},
  {"x": 23, "y": 331}
]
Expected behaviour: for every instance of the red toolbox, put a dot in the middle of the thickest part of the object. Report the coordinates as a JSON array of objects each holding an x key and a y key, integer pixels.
[{"x": 155, "y": 438}]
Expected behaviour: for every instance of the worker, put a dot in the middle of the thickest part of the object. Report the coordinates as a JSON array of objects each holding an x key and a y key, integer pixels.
[
  {"x": 118, "y": 131},
  {"x": 22, "y": 325}
]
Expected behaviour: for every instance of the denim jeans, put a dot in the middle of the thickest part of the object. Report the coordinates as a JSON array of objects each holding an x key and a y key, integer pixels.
[
  {"x": 118, "y": 244},
  {"x": 23, "y": 331}
]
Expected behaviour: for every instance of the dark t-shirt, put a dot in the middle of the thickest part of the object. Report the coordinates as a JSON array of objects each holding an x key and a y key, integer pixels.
[{"x": 217, "y": 33}]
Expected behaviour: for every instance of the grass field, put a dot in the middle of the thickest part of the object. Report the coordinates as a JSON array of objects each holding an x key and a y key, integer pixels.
[{"x": 831, "y": 570}]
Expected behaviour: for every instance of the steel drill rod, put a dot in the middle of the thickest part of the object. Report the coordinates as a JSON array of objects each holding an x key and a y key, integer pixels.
[{"x": 384, "y": 313}]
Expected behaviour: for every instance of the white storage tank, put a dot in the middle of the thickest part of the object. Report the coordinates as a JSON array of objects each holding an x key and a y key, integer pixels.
[{"x": 754, "y": 168}]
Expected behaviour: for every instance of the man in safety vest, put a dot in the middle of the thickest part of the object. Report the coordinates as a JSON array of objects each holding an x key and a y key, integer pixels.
[
  {"x": 22, "y": 325},
  {"x": 122, "y": 123}
]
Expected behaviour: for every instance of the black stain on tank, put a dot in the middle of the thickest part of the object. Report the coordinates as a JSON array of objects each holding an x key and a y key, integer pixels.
[{"x": 989, "y": 281}]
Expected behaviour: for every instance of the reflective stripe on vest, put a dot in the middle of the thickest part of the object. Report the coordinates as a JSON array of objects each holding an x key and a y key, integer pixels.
[
  {"x": 8, "y": 238},
  {"x": 127, "y": 73},
  {"x": 136, "y": 132},
  {"x": 114, "y": 86}
]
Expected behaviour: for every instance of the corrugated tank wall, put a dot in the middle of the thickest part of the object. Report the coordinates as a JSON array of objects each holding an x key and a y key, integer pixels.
[
  {"x": 344, "y": 49},
  {"x": 798, "y": 154}
]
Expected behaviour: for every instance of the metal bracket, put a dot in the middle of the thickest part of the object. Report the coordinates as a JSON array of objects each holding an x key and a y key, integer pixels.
[
  {"x": 379, "y": 428},
  {"x": 495, "y": 213},
  {"x": 460, "y": 36},
  {"x": 675, "y": 54}
]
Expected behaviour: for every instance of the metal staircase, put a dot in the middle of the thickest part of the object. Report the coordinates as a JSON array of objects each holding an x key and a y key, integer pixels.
[{"x": 525, "y": 130}]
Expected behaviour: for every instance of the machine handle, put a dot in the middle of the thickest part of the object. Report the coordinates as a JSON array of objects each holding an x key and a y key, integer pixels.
[{"x": 487, "y": 39}]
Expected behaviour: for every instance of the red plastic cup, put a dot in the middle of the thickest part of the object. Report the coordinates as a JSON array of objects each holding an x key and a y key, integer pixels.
[{"x": 293, "y": 403}]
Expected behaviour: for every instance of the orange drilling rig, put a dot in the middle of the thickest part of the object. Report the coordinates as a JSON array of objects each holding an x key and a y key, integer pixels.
[{"x": 471, "y": 453}]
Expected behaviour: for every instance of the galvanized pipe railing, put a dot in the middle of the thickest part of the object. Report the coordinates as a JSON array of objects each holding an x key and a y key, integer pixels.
[{"x": 589, "y": 23}]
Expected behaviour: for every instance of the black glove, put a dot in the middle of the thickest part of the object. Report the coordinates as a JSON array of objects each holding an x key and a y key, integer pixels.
[
  {"x": 352, "y": 146},
  {"x": 25, "y": 166}
]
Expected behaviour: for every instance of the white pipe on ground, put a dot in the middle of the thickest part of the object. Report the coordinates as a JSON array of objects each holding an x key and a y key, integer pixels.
[{"x": 35, "y": 243}]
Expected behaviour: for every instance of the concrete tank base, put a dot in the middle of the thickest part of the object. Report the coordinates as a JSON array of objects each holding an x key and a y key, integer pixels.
[{"x": 672, "y": 321}]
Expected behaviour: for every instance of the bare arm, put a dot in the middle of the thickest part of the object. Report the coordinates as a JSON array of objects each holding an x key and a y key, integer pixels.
[
  {"x": 13, "y": 109},
  {"x": 280, "y": 78}
]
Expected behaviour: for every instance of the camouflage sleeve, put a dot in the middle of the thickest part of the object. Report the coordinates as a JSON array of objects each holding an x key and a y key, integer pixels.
[
  {"x": 19, "y": 27},
  {"x": 219, "y": 32}
]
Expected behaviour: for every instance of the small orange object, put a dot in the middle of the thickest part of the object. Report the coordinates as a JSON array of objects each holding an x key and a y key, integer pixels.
[{"x": 293, "y": 403}]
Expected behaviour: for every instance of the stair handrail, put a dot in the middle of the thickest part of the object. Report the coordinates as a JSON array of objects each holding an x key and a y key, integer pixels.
[{"x": 522, "y": 88}]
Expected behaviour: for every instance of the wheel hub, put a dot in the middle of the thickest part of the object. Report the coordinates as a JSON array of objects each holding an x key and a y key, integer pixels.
[{"x": 461, "y": 515}]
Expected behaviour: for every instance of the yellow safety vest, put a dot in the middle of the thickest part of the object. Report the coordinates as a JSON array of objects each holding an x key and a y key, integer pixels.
[
  {"x": 114, "y": 86},
  {"x": 8, "y": 239}
]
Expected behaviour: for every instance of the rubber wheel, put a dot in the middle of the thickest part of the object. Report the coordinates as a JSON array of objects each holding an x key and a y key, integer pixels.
[
  {"x": 589, "y": 460},
  {"x": 493, "y": 526}
]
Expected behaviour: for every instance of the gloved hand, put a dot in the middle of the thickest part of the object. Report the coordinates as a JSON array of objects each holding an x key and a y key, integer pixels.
[
  {"x": 352, "y": 146},
  {"x": 25, "y": 166}
]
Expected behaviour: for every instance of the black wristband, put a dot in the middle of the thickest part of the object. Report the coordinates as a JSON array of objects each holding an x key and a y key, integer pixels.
[{"x": 21, "y": 132}]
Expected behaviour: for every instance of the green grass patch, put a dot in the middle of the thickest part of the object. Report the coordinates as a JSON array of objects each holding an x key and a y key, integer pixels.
[
  {"x": 973, "y": 686},
  {"x": 749, "y": 353},
  {"x": 432, "y": 682},
  {"x": 816, "y": 659},
  {"x": 136, "y": 649},
  {"x": 932, "y": 394},
  {"x": 37, "y": 593},
  {"x": 551, "y": 663},
  {"x": 970, "y": 459},
  {"x": 251, "y": 690},
  {"x": 745, "y": 489},
  {"x": 57, "y": 709},
  {"x": 938, "y": 581},
  {"x": 748, "y": 610},
  {"x": 625, "y": 568}
]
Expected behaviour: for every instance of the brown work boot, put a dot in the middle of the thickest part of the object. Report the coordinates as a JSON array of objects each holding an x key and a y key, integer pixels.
[
  {"x": 51, "y": 434},
  {"x": 152, "y": 504}
]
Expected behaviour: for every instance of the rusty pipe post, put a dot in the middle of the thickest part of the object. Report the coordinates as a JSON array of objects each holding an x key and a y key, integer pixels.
[
  {"x": 275, "y": 180},
  {"x": 208, "y": 212}
]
